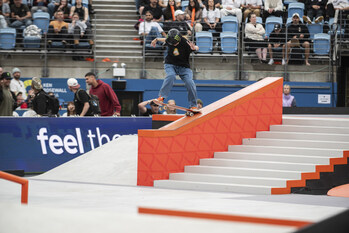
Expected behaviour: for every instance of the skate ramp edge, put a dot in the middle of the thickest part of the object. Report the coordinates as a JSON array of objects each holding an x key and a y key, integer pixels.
[{"x": 222, "y": 123}]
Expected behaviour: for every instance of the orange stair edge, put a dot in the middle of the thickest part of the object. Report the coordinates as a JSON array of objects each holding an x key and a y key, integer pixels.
[{"x": 312, "y": 175}]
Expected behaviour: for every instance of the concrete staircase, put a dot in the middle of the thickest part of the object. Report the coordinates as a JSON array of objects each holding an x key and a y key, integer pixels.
[
  {"x": 115, "y": 32},
  {"x": 270, "y": 160}
]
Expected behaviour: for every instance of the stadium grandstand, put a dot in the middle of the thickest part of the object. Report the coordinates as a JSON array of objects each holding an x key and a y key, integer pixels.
[{"x": 110, "y": 35}]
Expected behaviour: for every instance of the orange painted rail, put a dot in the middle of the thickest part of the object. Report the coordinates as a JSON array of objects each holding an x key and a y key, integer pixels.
[
  {"x": 19, "y": 180},
  {"x": 220, "y": 124},
  {"x": 225, "y": 217}
]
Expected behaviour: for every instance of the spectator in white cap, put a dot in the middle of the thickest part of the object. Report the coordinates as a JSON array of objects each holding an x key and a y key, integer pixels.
[
  {"x": 298, "y": 35},
  {"x": 16, "y": 84},
  {"x": 81, "y": 98},
  {"x": 180, "y": 24}
]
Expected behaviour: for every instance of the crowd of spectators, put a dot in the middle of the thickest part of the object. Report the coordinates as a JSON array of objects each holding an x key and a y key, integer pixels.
[
  {"x": 286, "y": 37},
  {"x": 64, "y": 25}
]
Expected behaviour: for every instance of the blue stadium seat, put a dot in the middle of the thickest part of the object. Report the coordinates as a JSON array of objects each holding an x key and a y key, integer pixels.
[
  {"x": 229, "y": 42},
  {"x": 205, "y": 41},
  {"x": 230, "y": 24},
  {"x": 322, "y": 44},
  {"x": 315, "y": 28},
  {"x": 184, "y": 5},
  {"x": 295, "y": 7},
  {"x": 42, "y": 20},
  {"x": 7, "y": 38},
  {"x": 270, "y": 22}
]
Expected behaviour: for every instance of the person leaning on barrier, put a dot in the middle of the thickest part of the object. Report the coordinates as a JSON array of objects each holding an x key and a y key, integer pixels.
[
  {"x": 7, "y": 98},
  {"x": 154, "y": 108},
  {"x": 288, "y": 100},
  {"x": 39, "y": 101},
  {"x": 81, "y": 98}
]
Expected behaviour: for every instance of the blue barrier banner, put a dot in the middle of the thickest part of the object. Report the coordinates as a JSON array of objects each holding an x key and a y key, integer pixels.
[{"x": 40, "y": 144}]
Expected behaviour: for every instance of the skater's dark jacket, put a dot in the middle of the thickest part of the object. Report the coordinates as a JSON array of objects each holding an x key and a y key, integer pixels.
[{"x": 179, "y": 55}]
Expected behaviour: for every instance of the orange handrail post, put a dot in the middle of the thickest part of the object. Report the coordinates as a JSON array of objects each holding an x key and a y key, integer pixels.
[{"x": 19, "y": 180}]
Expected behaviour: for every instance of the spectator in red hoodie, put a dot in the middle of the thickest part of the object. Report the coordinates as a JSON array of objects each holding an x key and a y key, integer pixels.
[{"x": 108, "y": 101}]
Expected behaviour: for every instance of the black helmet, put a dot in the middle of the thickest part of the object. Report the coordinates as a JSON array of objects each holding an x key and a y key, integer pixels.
[{"x": 173, "y": 37}]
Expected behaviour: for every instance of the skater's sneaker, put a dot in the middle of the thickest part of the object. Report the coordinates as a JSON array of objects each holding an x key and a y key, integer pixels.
[
  {"x": 319, "y": 19},
  {"x": 160, "y": 99},
  {"x": 194, "y": 108}
]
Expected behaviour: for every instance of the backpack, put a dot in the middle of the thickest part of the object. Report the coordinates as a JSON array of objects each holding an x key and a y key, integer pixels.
[
  {"x": 94, "y": 103},
  {"x": 52, "y": 105}
]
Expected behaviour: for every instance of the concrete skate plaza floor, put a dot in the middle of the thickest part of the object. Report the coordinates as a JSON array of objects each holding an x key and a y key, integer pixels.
[{"x": 97, "y": 192}]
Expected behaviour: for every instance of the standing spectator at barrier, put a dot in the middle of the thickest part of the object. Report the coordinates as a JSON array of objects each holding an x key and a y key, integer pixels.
[
  {"x": 81, "y": 98},
  {"x": 21, "y": 15},
  {"x": 39, "y": 5},
  {"x": 254, "y": 33},
  {"x": 315, "y": 8},
  {"x": 169, "y": 108},
  {"x": 70, "y": 110},
  {"x": 165, "y": 3},
  {"x": 149, "y": 30},
  {"x": 7, "y": 98},
  {"x": 40, "y": 100},
  {"x": 199, "y": 103},
  {"x": 169, "y": 12},
  {"x": 4, "y": 14},
  {"x": 297, "y": 35},
  {"x": 251, "y": 6},
  {"x": 108, "y": 101},
  {"x": 58, "y": 29},
  {"x": 79, "y": 31},
  {"x": 154, "y": 108},
  {"x": 17, "y": 85},
  {"x": 81, "y": 10},
  {"x": 194, "y": 15},
  {"x": 232, "y": 7},
  {"x": 288, "y": 100},
  {"x": 156, "y": 9},
  {"x": 273, "y": 7},
  {"x": 177, "y": 63},
  {"x": 211, "y": 16},
  {"x": 277, "y": 41}
]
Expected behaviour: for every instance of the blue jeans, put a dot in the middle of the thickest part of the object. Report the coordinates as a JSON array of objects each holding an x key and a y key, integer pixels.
[
  {"x": 186, "y": 75},
  {"x": 154, "y": 33},
  {"x": 18, "y": 24}
]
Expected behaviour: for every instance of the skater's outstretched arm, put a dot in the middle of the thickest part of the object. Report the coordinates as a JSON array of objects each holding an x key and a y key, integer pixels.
[
  {"x": 153, "y": 43},
  {"x": 192, "y": 45}
]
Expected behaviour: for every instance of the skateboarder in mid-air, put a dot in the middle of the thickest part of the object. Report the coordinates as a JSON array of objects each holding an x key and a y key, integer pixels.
[{"x": 177, "y": 63}]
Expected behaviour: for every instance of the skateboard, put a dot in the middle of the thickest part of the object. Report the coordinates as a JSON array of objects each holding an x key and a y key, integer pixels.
[{"x": 188, "y": 111}]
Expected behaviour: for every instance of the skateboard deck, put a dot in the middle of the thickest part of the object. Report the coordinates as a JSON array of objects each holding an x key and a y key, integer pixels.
[{"x": 188, "y": 111}]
